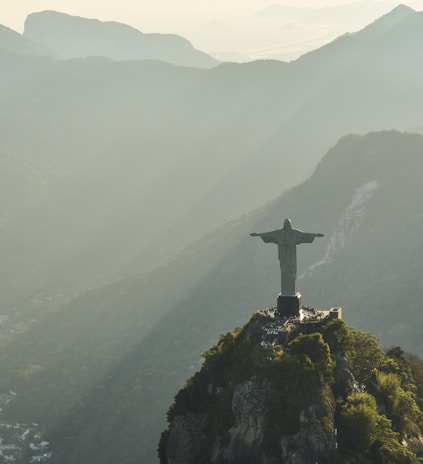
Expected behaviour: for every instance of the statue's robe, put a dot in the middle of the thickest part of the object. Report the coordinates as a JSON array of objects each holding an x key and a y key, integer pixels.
[{"x": 287, "y": 241}]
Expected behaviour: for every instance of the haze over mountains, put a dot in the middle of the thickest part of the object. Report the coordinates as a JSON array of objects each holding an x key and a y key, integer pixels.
[
  {"x": 109, "y": 167},
  {"x": 304, "y": 27},
  {"x": 144, "y": 150},
  {"x": 258, "y": 29}
]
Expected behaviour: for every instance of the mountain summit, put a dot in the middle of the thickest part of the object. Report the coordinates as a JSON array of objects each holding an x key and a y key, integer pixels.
[{"x": 296, "y": 392}]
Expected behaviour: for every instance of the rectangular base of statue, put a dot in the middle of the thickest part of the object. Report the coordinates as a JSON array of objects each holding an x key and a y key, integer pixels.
[{"x": 289, "y": 305}]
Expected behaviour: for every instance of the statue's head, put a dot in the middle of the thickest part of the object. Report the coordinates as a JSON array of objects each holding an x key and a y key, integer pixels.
[{"x": 287, "y": 224}]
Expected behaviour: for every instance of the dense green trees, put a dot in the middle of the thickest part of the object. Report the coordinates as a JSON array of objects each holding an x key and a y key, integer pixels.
[
  {"x": 383, "y": 411},
  {"x": 374, "y": 417},
  {"x": 364, "y": 355},
  {"x": 314, "y": 355},
  {"x": 367, "y": 436}
]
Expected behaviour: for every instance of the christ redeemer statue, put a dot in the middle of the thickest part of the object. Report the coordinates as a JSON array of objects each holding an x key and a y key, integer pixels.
[{"x": 287, "y": 240}]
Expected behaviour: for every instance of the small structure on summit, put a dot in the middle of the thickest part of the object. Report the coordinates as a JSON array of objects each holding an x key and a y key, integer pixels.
[{"x": 287, "y": 239}]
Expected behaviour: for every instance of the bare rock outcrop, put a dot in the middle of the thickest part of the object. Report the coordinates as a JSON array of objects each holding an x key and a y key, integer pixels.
[{"x": 249, "y": 408}]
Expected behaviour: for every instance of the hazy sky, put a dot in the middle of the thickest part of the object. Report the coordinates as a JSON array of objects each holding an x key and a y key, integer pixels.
[{"x": 231, "y": 29}]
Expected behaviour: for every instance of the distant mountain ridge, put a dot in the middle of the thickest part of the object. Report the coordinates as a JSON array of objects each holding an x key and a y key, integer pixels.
[{"x": 76, "y": 37}]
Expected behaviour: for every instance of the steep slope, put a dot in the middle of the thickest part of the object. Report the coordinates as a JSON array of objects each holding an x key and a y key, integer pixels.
[
  {"x": 143, "y": 335},
  {"x": 350, "y": 46},
  {"x": 326, "y": 394},
  {"x": 76, "y": 37}
]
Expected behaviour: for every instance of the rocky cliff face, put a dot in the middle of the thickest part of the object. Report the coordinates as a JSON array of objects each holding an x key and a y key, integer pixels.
[
  {"x": 246, "y": 435},
  {"x": 185, "y": 438},
  {"x": 256, "y": 401}
]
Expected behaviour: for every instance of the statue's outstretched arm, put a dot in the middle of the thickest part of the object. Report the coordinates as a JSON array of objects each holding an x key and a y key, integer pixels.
[
  {"x": 267, "y": 237},
  {"x": 306, "y": 237}
]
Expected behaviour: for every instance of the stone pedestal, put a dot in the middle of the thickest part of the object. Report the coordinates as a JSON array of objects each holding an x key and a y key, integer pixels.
[
  {"x": 335, "y": 313},
  {"x": 289, "y": 305}
]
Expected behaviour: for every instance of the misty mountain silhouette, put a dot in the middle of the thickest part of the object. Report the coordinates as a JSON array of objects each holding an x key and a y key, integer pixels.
[{"x": 76, "y": 37}]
